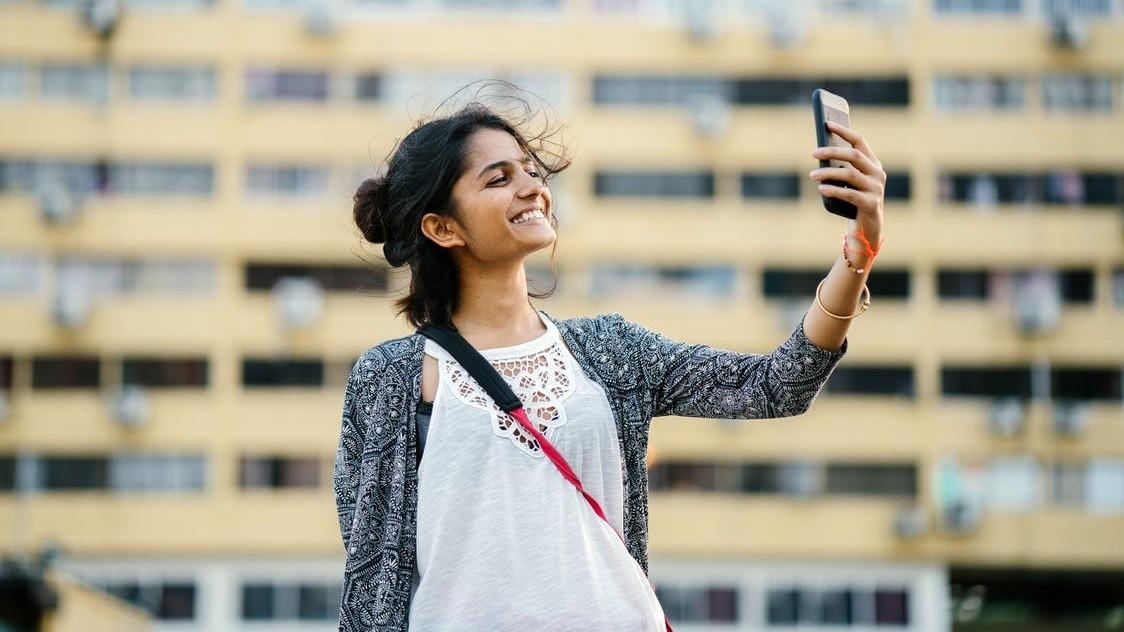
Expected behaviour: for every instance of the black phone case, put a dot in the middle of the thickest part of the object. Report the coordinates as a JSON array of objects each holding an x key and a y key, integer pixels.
[{"x": 839, "y": 207}]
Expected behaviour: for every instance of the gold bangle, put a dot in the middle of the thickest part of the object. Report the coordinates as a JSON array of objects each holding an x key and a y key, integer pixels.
[{"x": 862, "y": 307}]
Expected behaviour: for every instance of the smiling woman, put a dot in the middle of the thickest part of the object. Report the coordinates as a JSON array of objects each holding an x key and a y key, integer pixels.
[{"x": 484, "y": 533}]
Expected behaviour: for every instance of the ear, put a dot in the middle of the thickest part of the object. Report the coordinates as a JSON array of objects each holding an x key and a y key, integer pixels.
[{"x": 443, "y": 230}]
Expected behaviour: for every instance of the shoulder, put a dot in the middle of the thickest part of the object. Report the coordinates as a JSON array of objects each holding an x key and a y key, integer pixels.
[
  {"x": 609, "y": 325},
  {"x": 388, "y": 358}
]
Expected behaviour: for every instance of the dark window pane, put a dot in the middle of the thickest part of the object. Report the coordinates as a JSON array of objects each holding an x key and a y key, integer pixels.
[
  {"x": 368, "y": 87},
  {"x": 1076, "y": 286},
  {"x": 782, "y": 606},
  {"x": 1103, "y": 188},
  {"x": 158, "y": 373},
  {"x": 7, "y": 473},
  {"x": 788, "y": 284},
  {"x": 257, "y": 602},
  {"x": 316, "y": 603},
  {"x": 770, "y": 186},
  {"x": 986, "y": 382},
  {"x": 268, "y": 472},
  {"x": 723, "y": 604},
  {"x": 75, "y": 473},
  {"x": 962, "y": 284},
  {"x": 888, "y": 283},
  {"x": 1085, "y": 384},
  {"x": 872, "y": 480},
  {"x": 835, "y": 607},
  {"x": 5, "y": 374},
  {"x": 761, "y": 478},
  {"x": 862, "y": 91},
  {"x": 891, "y": 607},
  {"x": 872, "y": 380},
  {"x": 177, "y": 602},
  {"x": 262, "y": 276},
  {"x": 898, "y": 186},
  {"x": 275, "y": 373},
  {"x": 654, "y": 184},
  {"x": 65, "y": 372}
]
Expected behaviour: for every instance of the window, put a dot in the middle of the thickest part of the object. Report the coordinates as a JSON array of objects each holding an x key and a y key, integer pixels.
[
  {"x": 161, "y": 179},
  {"x": 257, "y": 602},
  {"x": 691, "y": 604},
  {"x": 73, "y": 473},
  {"x": 5, "y": 373},
  {"x": 286, "y": 180},
  {"x": 669, "y": 184},
  {"x": 655, "y": 90},
  {"x": 262, "y": 276},
  {"x": 36, "y": 176},
  {"x": 898, "y": 186},
  {"x": 306, "y": 601},
  {"x": 782, "y": 606},
  {"x": 7, "y": 473},
  {"x": 21, "y": 273},
  {"x": 872, "y": 380},
  {"x": 282, "y": 373},
  {"x": 963, "y": 284},
  {"x": 74, "y": 83},
  {"x": 888, "y": 91},
  {"x": 979, "y": 7},
  {"x": 318, "y": 602},
  {"x": 13, "y": 81},
  {"x": 791, "y": 284},
  {"x": 1057, "y": 187},
  {"x": 111, "y": 277},
  {"x": 1013, "y": 483},
  {"x": 1105, "y": 486},
  {"x": 263, "y": 86},
  {"x": 863, "y": 479},
  {"x": 891, "y": 607},
  {"x": 979, "y": 93},
  {"x": 1069, "y": 483},
  {"x": 279, "y": 472},
  {"x": 144, "y": 472},
  {"x": 368, "y": 87},
  {"x": 992, "y": 382},
  {"x": 888, "y": 283},
  {"x": 1072, "y": 92},
  {"x": 654, "y": 281},
  {"x": 163, "y": 373},
  {"x": 59, "y": 372},
  {"x": 172, "y": 601},
  {"x": 1087, "y": 8},
  {"x": 167, "y": 84},
  {"x": 771, "y": 186}
]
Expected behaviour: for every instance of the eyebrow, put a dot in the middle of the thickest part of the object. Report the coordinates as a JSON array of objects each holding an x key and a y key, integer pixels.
[{"x": 503, "y": 163}]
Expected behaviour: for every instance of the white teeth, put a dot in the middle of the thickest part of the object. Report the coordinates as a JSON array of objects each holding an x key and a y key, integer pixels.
[{"x": 529, "y": 215}]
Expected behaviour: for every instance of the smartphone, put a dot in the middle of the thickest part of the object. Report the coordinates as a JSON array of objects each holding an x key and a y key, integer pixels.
[{"x": 827, "y": 106}]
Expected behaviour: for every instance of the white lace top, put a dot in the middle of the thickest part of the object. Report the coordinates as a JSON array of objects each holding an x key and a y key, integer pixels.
[{"x": 504, "y": 542}]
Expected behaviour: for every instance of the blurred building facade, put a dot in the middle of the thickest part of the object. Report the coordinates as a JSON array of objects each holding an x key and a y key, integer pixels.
[{"x": 183, "y": 293}]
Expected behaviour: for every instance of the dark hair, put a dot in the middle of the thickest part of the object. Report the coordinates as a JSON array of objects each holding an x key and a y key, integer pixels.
[{"x": 419, "y": 179}]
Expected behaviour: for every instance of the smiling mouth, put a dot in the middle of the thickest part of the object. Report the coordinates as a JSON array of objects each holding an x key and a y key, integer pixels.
[{"x": 530, "y": 217}]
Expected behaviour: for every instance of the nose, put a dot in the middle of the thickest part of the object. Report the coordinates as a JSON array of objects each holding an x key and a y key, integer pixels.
[{"x": 534, "y": 187}]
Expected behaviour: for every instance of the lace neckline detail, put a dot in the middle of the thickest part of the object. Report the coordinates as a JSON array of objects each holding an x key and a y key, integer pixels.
[{"x": 535, "y": 345}]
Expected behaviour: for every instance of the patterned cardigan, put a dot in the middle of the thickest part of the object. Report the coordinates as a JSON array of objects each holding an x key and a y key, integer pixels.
[{"x": 644, "y": 375}]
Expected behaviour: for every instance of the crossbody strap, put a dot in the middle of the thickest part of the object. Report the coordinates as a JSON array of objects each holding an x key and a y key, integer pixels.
[{"x": 497, "y": 388}]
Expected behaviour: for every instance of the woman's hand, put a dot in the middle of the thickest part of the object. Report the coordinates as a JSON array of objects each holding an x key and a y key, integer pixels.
[{"x": 868, "y": 182}]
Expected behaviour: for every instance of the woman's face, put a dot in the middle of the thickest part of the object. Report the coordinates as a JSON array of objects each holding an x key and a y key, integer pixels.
[{"x": 499, "y": 185}]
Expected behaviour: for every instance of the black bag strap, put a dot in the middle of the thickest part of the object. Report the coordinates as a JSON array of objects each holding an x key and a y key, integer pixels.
[{"x": 478, "y": 367}]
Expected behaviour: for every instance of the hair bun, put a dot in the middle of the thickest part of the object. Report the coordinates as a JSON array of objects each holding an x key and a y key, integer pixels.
[{"x": 371, "y": 202}]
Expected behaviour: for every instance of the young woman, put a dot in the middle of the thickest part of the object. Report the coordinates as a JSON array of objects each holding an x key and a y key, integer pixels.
[{"x": 483, "y": 533}]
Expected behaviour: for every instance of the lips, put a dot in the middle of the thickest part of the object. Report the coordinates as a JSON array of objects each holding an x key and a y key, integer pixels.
[{"x": 522, "y": 213}]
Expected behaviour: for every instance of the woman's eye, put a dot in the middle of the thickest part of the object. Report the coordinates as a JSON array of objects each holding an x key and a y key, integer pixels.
[{"x": 498, "y": 180}]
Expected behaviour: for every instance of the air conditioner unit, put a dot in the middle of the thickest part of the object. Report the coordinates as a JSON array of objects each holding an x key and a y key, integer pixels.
[
  {"x": 129, "y": 406},
  {"x": 1068, "y": 31},
  {"x": 1070, "y": 418},
  {"x": 910, "y": 522},
  {"x": 1037, "y": 302},
  {"x": 1006, "y": 418},
  {"x": 960, "y": 517},
  {"x": 58, "y": 204},
  {"x": 70, "y": 308},
  {"x": 786, "y": 25},
  {"x": 710, "y": 115},
  {"x": 101, "y": 16},
  {"x": 299, "y": 302},
  {"x": 320, "y": 18},
  {"x": 700, "y": 19}
]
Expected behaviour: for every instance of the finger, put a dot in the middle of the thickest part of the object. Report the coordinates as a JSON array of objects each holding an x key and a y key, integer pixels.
[
  {"x": 851, "y": 155},
  {"x": 856, "y": 139},
  {"x": 854, "y": 196},
  {"x": 850, "y": 175}
]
